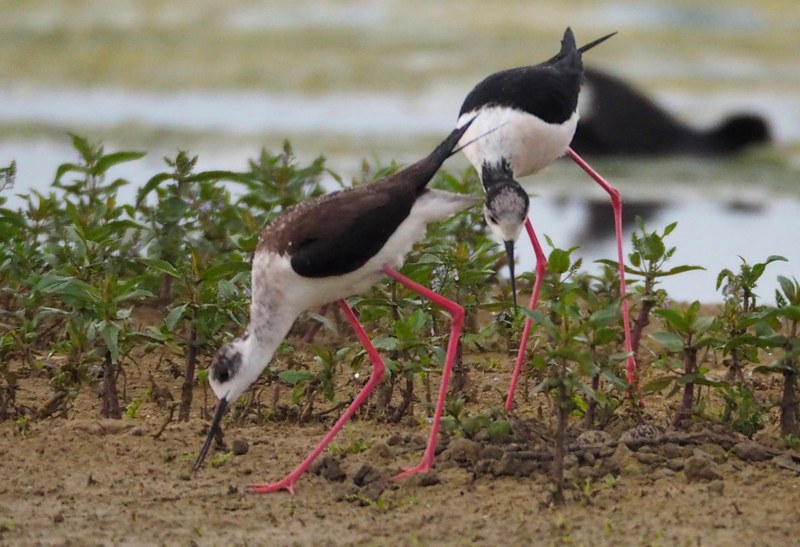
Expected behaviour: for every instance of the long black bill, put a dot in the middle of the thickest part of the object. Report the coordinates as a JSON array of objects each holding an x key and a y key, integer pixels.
[
  {"x": 212, "y": 431},
  {"x": 510, "y": 252}
]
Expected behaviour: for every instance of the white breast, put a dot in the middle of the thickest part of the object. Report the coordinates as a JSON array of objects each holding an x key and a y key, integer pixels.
[{"x": 527, "y": 142}]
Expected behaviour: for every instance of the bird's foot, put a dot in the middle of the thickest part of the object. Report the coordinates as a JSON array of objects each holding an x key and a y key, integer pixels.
[
  {"x": 423, "y": 467},
  {"x": 264, "y": 488}
]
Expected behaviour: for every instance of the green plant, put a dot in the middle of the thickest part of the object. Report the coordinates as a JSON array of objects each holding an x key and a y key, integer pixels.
[
  {"x": 780, "y": 328},
  {"x": 686, "y": 335},
  {"x": 647, "y": 261},
  {"x": 572, "y": 326}
]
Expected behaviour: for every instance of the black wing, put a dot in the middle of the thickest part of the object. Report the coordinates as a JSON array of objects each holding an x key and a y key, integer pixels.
[
  {"x": 339, "y": 233},
  {"x": 544, "y": 91}
]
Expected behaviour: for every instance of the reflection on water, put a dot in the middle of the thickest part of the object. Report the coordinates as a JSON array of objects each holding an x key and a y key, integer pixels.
[{"x": 709, "y": 234}]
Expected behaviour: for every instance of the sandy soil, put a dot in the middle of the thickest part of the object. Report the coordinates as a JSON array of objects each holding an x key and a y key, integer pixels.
[{"x": 88, "y": 481}]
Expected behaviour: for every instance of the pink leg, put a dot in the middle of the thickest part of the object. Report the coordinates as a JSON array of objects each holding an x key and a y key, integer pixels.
[
  {"x": 457, "y": 314},
  {"x": 616, "y": 203},
  {"x": 541, "y": 265},
  {"x": 378, "y": 369}
]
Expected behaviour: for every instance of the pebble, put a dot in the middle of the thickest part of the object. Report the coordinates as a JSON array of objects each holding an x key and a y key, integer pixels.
[
  {"x": 329, "y": 468},
  {"x": 640, "y": 432},
  {"x": 58, "y": 518},
  {"x": 462, "y": 450},
  {"x": 240, "y": 447},
  {"x": 424, "y": 479},
  {"x": 593, "y": 438},
  {"x": 713, "y": 450},
  {"x": 752, "y": 452},
  {"x": 491, "y": 453},
  {"x": 698, "y": 468},
  {"x": 367, "y": 474},
  {"x": 394, "y": 440},
  {"x": 663, "y": 473},
  {"x": 673, "y": 450}
]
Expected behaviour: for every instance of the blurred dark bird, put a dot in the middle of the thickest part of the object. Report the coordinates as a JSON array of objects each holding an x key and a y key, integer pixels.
[{"x": 618, "y": 119}]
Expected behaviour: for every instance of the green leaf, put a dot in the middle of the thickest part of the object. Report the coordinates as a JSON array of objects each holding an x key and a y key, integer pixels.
[
  {"x": 207, "y": 176},
  {"x": 558, "y": 262},
  {"x": 65, "y": 168},
  {"x": 175, "y": 315},
  {"x": 789, "y": 288},
  {"x": 110, "y": 333},
  {"x": 674, "y": 319},
  {"x": 162, "y": 266},
  {"x": 679, "y": 269},
  {"x": 294, "y": 377},
  {"x": 109, "y": 160},
  {"x": 226, "y": 269},
  {"x": 668, "y": 340},
  {"x": 386, "y": 343},
  {"x": 151, "y": 185},
  {"x": 659, "y": 384}
]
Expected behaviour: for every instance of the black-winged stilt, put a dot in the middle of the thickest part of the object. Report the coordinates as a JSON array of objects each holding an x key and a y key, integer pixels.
[
  {"x": 327, "y": 249},
  {"x": 534, "y": 109},
  {"x": 608, "y": 104}
]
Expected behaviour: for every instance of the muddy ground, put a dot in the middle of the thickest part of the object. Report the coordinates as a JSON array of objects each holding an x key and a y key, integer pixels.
[{"x": 88, "y": 481}]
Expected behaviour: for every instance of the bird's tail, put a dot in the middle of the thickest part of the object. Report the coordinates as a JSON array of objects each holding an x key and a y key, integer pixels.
[
  {"x": 430, "y": 164},
  {"x": 590, "y": 45},
  {"x": 570, "y": 51}
]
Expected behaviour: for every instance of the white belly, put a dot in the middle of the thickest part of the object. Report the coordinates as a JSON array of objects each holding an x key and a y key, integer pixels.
[{"x": 527, "y": 142}]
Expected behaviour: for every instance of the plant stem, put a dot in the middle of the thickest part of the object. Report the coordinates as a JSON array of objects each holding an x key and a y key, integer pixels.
[
  {"x": 685, "y": 410},
  {"x": 188, "y": 377},
  {"x": 110, "y": 407},
  {"x": 558, "y": 452}
]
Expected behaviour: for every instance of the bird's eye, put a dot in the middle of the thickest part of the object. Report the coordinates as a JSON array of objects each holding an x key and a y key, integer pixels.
[{"x": 492, "y": 219}]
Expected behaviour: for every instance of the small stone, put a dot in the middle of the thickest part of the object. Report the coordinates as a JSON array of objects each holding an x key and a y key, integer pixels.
[
  {"x": 510, "y": 466},
  {"x": 424, "y": 479},
  {"x": 491, "y": 453},
  {"x": 462, "y": 450},
  {"x": 673, "y": 450},
  {"x": 714, "y": 450},
  {"x": 394, "y": 440},
  {"x": 366, "y": 475},
  {"x": 372, "y": 491},
  {"x": 625, "y": 460},
  {"x": 585, "y": 472},
  {"x": 570, "y": 460},
  {"x": 593, "y": 437},
  {"x": 788, "y": 460},
  {"x": 58, "y": 518},
  {"x": 663, "y": 473},
  {"x": 676, "y": 464},
  {"x": 240, "y": 447},
  {"x": 329, "y": 468},
  {"x": 644, "y": 432},
  {"x": 136, "y": 432},
  {"x": 752, "y": 452},
  {"x": 649, "y": 458},
  {"x": 700, "y": 469},
  {"x": 589, "y": 458},
  {"x": 232, "y": 490}
]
